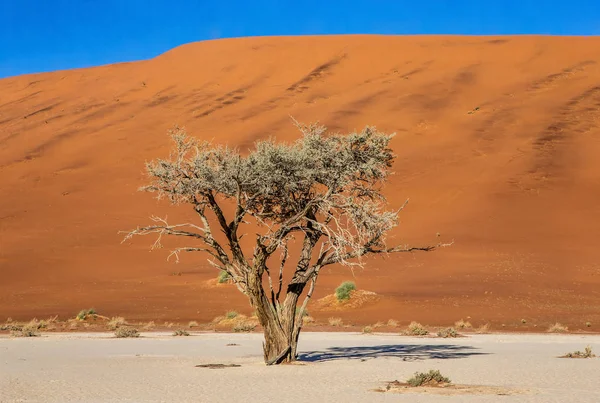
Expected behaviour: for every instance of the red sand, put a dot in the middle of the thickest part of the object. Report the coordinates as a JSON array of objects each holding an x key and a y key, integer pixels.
[{"x": 516, "y": 183}]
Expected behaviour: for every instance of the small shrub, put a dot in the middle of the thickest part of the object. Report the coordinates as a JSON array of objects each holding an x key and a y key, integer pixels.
[
  {"x": 461, "y": 324},
  {"x": 523, "y": 321},
  {"x": 243, "y": 327},
  {"x": 85, "y": 313},
  {"x": 231, "y": 315},
  {"x": 392, "y": 323},
  {"x": 587, "y": 353},
  {"x": 223, "y": 277},
  {"x": 115, "y": 322},
  {"x": 123, "y": 332},
  {"x": 431, "y": 378},
  {"x": 335, "y": 321},
  {"x": 416, "y": 329},
  {"x": 343, "y": 292},
  {"x": 149, "y": 325},
  {"x": 448, "y": 333},
  {"x": 483, "y": 329},
  {"x": 180, "y": 332},
  {"x": 588, "y": 324},
  {"x": 367, "y": 330},
  {"x": 13, "y": 327},
  {"x": 193, "y": 324},
  {"x": 378, "y": 324},
  {"x": 308, "y": 319},
  {"x": 169, "y": 324},
  {"x": 557, "y": 328},
  {"x": 26, "y": 331}
]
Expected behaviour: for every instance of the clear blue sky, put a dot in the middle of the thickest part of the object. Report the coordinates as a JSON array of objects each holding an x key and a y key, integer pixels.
[{"x": 46, "y": 35}]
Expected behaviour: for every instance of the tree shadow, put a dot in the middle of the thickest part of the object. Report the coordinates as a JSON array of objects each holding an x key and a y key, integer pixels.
[{"x": 405, "y": 352}]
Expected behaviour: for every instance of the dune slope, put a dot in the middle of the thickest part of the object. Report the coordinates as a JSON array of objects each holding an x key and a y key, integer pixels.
[{"x": 497, "y": 141}]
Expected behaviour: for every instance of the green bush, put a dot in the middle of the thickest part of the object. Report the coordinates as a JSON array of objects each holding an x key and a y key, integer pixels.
[
  {"x": 343, "y": 292},
  {"x": 231, "y": 315},
  {"x": 427, "y": 378},
  {"x": 223, "y": 277},
  {"x": 84, "y": 313}
]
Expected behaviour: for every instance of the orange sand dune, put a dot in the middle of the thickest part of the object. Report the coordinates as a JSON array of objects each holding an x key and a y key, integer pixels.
[{"x": 498, "y": 144}]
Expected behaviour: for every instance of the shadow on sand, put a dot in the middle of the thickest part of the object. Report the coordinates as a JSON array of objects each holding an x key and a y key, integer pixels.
[{"x": 405, "y": 352}]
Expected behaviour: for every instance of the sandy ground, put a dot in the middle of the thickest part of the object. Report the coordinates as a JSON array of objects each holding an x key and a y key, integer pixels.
[
  {"x": 335, "y": 367},
  {"x": 497, "y": 141}
]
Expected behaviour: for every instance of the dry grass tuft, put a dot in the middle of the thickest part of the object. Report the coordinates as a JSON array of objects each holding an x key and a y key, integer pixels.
[
  {"x": 483, "y": 329},
  {"x": 308, "y": 320},
  {"x": 335, "y": 321},
  {"x": 392, "y": 323},
  {"x": 180, "y": 332},
  {"x": 193, "y": 324},
  {"x": 461, "y": 324},
  {"x": 25, "y": 331},
  {"x": 416, "y": 329},
  {"x": 448, "y": 333},
  {"x": 587, "y": 353},
  {"x": 367, "y": 330},
  {"x": 243, "y": 327},
  {"x": 125, "y": 332},
  {"x": 558, "y": 328},
  {"x": 115, "y": 322},
  {"x": 149, "y": 326}
]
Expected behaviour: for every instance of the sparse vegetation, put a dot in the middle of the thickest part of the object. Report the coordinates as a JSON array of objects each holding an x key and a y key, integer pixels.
[
  {"x": 378, "y": 324},
  {"x": 416, "y": 329},
  {"x": 223, "y": 277},
  {"x": 25, "y": 331},
  {"x": 587, "y": 353},
  {"x": 150, "y": 325},
  {"x": 448, "y": 333},
  {"x": 335, "y": 321},
  {"x": 192, "y": 324},
  {"x": 483, "y": 329},
  {"x": 243, "y": 327},
  {"x": 85, "y": 313},
  {"x": 588, "y": 324},
  {"x": 180, "y": 332},
  {"x": 231, "y": 315},
  {"x": 557, "y": 328},
  {"x": 461, "y": 324},
  {"x": 523, "y": 321},
  {"x": 124, "y": 332},
  {"x": 308, "y": 319},
  {"x": 431, "y": 378},
  {"x": 344, "y": 291},
  {"x": 367, "y": 330},
  {"x": 392, "y": 323},
  {"x": 115, "y": 322}
]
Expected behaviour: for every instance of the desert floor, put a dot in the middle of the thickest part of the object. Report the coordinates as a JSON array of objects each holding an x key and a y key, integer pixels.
[{"x": 334, "y": 367}]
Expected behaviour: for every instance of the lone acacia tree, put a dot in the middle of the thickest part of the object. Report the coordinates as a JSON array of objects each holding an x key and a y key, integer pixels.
[{"x": 324, "y": 190}]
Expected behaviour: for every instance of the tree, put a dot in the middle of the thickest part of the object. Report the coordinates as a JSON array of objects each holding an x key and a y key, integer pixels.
[{"x": 324, "y": 190}]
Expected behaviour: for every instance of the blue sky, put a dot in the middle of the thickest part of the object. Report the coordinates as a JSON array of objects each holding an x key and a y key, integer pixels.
[{"x": 46, "y": 35}]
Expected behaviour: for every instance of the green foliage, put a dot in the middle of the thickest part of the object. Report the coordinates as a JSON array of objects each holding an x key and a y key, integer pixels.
[
  {"x": 427, "y": 378},
  {"x": 223, "y": 277},
  {"x": 343, "y": 292},
  {"x": 84, "y": 313},
  {"x": 231, "y": 315}
]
